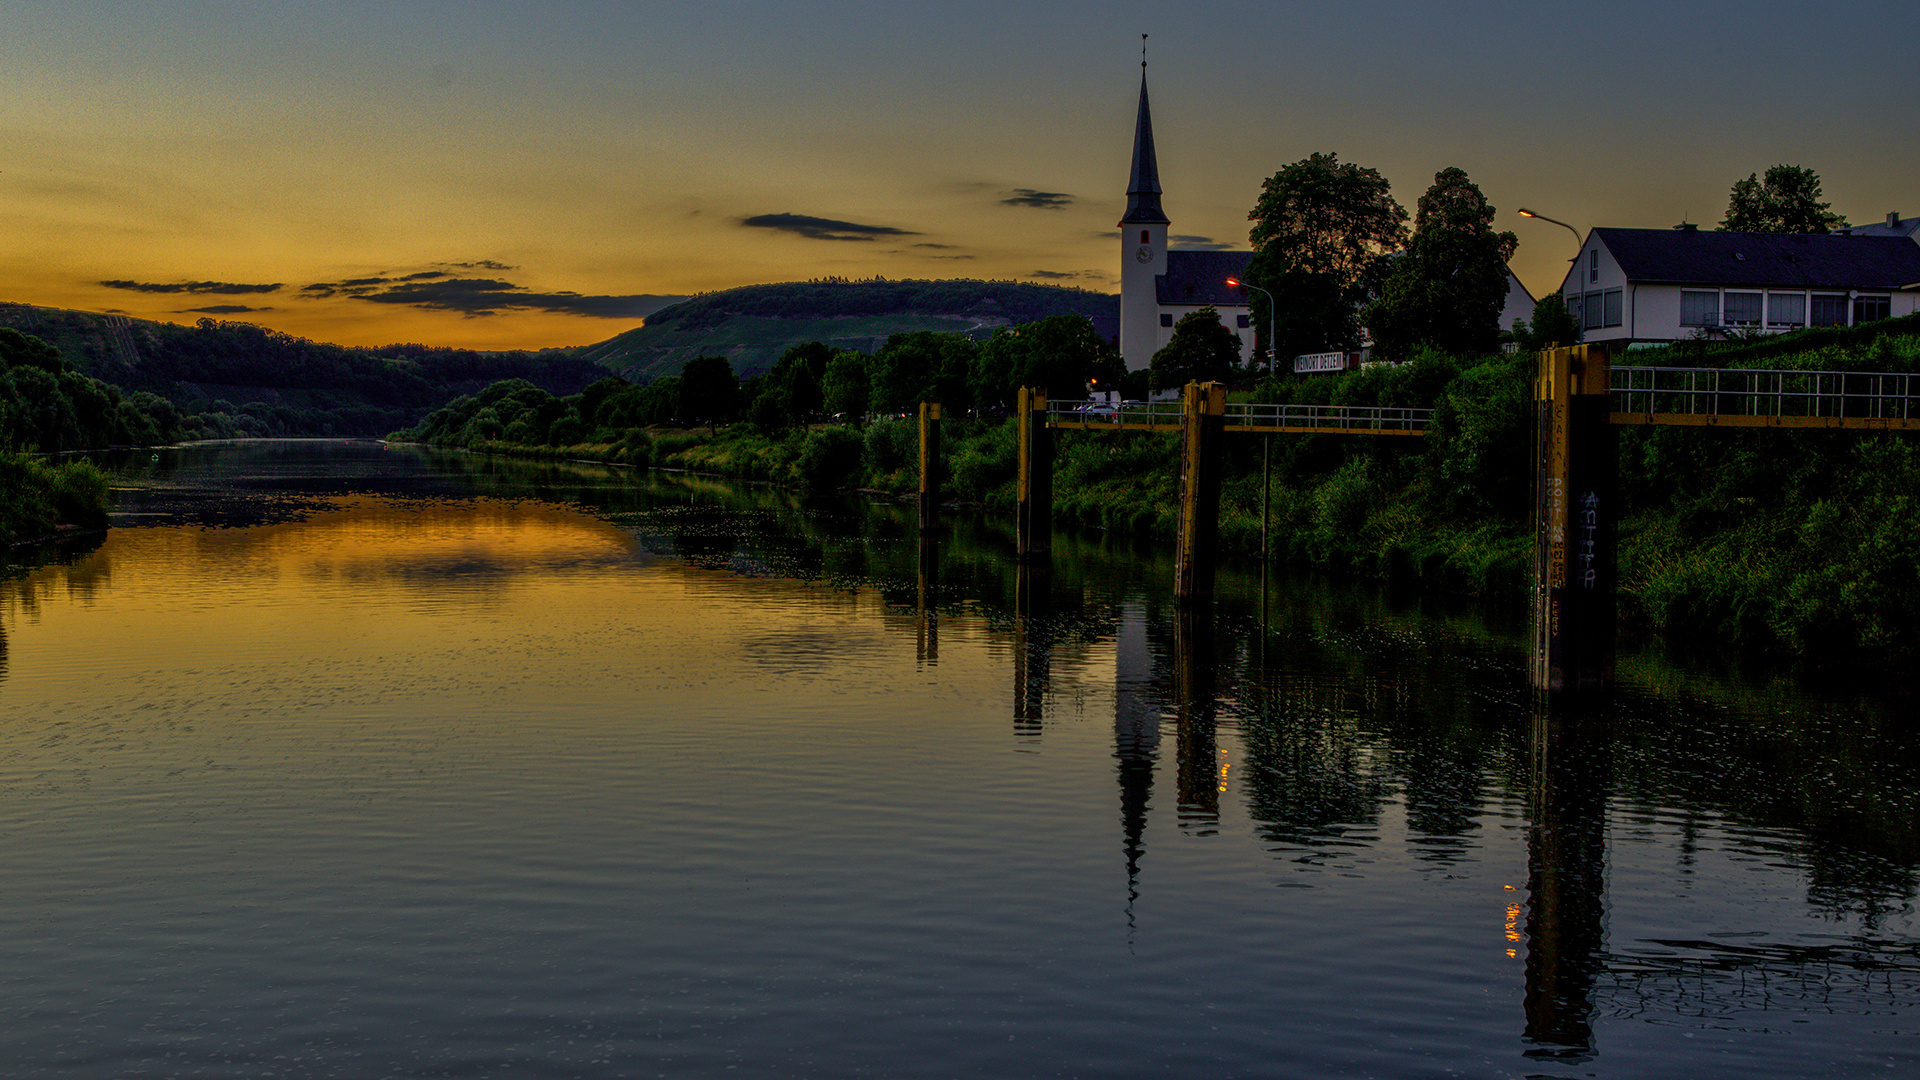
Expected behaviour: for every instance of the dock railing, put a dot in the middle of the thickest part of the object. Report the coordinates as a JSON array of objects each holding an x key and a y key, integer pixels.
[{"x": 1738, "y": 397}]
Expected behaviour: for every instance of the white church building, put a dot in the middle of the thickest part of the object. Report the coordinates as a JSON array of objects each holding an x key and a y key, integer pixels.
[{"x": 1158, "y": 285}]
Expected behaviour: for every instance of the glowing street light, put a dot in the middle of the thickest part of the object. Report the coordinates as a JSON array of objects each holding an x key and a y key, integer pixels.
[
  {"x": 1273, "y": 342},
  {"x": 1578, "y": 240}
]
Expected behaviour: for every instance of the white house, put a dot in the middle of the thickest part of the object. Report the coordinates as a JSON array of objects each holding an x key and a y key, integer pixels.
[
  {"x": 1158, "y": 286},
  {"x": 1660, "y": 285}
]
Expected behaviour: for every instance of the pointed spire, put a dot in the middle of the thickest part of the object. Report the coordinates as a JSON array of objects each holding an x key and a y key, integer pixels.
[{"x": 1143, "y": 189}]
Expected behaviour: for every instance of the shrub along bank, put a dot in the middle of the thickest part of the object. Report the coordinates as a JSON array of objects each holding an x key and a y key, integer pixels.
[{"x": 1802, "y": 542}]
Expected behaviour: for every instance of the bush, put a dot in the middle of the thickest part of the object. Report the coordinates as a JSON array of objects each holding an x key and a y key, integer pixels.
[{"x": 829, "y": 458}]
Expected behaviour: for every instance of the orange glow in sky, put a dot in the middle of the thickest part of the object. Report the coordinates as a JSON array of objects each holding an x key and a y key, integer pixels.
[{"x": 508, "y": 175}]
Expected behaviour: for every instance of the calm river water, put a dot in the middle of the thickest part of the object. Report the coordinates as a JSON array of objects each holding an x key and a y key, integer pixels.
[{"x": 338, "y": 760}]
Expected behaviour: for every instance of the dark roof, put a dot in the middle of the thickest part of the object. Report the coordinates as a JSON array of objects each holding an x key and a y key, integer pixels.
[
  {"x": 1200, "y": 277},
  {"x": 1801, "y": 260},
  {"x": 1143, "y": 187}
]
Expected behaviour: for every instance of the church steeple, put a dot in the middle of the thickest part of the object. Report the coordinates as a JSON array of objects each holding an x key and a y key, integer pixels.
[{"x": 1143, "y": 188}]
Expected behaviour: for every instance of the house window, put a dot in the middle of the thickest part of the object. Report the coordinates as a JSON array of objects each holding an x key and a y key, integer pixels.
[
  {"x": 1145, "y": 237},
  {"x": 1871, "y": 308},
  {"x": 1593, "y": 265},
  {"x": 1573, "y": 307},
  {"x": 1243, "y": 321},
  {"x": 1786, "y": 309},
  {"x": 1829, "y": 309},
  {"x": 1166, "y": 320},
  {"x": 1611, "y": 307},
  {"x": 1742, "y": 309},
  {"x": 1591, "y": 310},
  {"x": 1699, "y": 308}
]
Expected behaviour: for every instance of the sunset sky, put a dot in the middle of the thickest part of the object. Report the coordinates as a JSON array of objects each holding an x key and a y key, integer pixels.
[{"x": 496, "y": 174}]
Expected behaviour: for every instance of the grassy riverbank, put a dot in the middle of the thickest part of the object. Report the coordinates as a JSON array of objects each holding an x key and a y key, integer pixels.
[
  {"x": 1798, "y": 542},
  {"x": 39, "y": 499}
]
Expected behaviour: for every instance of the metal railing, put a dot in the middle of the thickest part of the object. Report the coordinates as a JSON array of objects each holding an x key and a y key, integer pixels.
[
  {"x": 1378, "y": 419},
  {"x": 1164, "y": 414},
  {"x": 1243, "y": 417},
  {"x": 1787, "y": 398}
]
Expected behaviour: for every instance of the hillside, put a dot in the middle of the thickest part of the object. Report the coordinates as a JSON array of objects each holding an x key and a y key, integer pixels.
[
  {"x": 230, "y": 378},
  {"x": 754, "y": 325}
]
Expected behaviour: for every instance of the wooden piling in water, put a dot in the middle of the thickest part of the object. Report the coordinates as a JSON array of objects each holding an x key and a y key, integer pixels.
[
  {"x": 1203, "y": 422},
  {"x": 930, "y": 466},
  {"x": 1033, "y": 519},
  {"x": 1575, "y": 508}
]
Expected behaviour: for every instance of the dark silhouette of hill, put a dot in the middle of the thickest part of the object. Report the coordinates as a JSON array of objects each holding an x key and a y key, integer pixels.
[
  {"x": 752, "y": 326},
  {"x": 248, "y": 380}
]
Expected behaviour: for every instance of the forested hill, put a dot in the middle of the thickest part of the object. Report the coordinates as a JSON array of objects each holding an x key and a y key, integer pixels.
[
  {"x": 754, "y": 325},
  {"x": 227, "y": 379}
]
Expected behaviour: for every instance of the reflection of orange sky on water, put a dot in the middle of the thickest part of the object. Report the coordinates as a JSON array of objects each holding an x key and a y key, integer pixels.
[{"x": 486, "y": 598}]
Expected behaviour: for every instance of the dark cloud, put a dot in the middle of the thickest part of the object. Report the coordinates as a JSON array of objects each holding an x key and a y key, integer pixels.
[
  {"x": 814, "y": 228},
  {"x": 483, "y": 264},
  {"x": 224, "y": 309},
  {"x": 1063, "y": 275},
  {"x": 1199, "y": 243},
  {"x": 1038, "y": 200},
  {"x": 217, "y": 288},
  {"x": 942, "y": 247},
  {"x": 489, "y": 296}
]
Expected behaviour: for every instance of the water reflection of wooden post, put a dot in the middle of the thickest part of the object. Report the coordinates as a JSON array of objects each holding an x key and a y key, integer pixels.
[
  {"x": 1198, "y": 759},
  {"x": 1574, "y": 514},
  {"x": 929, "y": 465},
  {"x": 1566, "y": 879},
  {"x": 1032, "y": 646},
  {"x": 1033, "y": 521},
  {"x": 927, "y": 643},
  {"x": 1203, "y": 420}
]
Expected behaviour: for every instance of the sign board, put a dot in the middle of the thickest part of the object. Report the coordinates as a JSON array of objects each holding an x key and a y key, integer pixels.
[{"x": 1320, "y": 361}]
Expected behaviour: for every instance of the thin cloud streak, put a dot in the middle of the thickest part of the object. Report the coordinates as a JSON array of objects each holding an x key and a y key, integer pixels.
[{"x": 814, "y": 228}]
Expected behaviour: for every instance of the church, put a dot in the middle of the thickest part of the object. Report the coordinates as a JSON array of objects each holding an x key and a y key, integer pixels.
[{"x": 1158, "y": 285}]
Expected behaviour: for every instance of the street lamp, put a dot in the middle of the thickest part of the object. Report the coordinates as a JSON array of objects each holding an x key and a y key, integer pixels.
[
  {"x": 1273, "y": 342},
  {"x": 1577, "y": 238}
]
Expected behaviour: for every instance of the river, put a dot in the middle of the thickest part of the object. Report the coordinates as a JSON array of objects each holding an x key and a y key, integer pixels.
[{"x": 333, "y": 759}]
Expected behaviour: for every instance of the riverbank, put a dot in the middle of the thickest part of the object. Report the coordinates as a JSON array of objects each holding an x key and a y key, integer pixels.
[
  {"x": 1801, "y": 544},
  {"x": 41, "y": 500}
]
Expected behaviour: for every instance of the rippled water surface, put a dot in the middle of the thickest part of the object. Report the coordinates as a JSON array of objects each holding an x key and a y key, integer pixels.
[{"x": 333, "y": 760}]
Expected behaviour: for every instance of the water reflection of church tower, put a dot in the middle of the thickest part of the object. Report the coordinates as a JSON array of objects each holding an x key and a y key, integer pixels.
[{"x": 1136, "y": 730}]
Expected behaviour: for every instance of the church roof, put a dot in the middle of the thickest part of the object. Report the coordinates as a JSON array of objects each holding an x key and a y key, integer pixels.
[
  {"x": 1199, "y": 278},
  {"x": 1143, "y": 188}
]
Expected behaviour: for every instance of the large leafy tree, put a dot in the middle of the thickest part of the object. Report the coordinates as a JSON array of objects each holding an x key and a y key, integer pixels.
[
  {"x": 1447, "y": 289},
  {"x": 1202, "y": 349},
  {"x": 1059, "y": 352},
  {"x": 1321, "y": 229},
  {"x": 1787, "y": 200}
]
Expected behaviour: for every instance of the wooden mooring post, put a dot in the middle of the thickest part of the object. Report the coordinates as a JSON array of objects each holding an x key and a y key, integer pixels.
[
  {"x": 929, "y": 466},
  {"x": 1203, "y": 412},
  {"x": 1033, "y": 517},
  {"x": 1575, "y": 508}
]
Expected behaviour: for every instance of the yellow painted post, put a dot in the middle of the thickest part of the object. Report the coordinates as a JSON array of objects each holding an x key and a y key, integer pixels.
[
  {"x": 1574, "y": 514},
  {"x": 930, "y": 465},
  {"x": 1203, "y": 410},
  {"x": 1033, "y": 515}
]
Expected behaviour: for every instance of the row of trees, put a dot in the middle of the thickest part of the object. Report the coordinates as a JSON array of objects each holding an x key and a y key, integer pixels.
[
  {"x": 1332, "y": 245},
  {"x": 811, "y": 382}
]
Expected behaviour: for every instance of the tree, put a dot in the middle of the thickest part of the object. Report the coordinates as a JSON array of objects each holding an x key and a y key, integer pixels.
[
  {"x": 1552, "y": 324},
  {"x": 1787, "y": 201},
  {"x": 845, "y": 387},
  {"x": 1202, "y": 350},
  {"x": 1059, "y": 352},
  {"x": 707, "y": 389},
  {"x": 1447, "y": 289},
  {"x": 1321, "y": 228}
]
